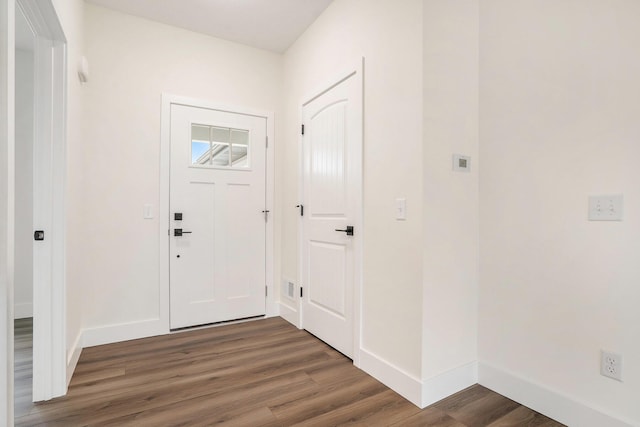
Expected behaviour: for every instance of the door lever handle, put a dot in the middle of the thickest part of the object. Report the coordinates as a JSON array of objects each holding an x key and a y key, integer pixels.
[
  {"x": 349, "y": 230},
  {"x": 177, "y": 232}
]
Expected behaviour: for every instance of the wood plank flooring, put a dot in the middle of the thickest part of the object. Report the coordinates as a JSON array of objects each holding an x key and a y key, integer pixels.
[
  {"x": 260, "y": 373},
  {"x": 22, "y": 366}
]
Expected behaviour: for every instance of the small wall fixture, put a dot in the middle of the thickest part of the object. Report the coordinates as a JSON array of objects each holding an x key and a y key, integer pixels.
[
  {"x": 461, "y": 163},
  {"x": 83, "y": 70}
]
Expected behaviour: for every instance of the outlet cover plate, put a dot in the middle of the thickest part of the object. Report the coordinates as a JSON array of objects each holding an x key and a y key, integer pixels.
[{"x": 611, "y": 365}]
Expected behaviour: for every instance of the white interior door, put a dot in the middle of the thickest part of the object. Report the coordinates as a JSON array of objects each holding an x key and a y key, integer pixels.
[
  {"x": 218, "y": 218},
  {"x": 332, "y": 163}
]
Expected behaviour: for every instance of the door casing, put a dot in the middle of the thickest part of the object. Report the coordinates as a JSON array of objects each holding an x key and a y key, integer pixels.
[
  {"x": 164, "y": 212},
  {"x": 50, "y": 376},
  {"x": 7, "y": 205},
  {"x": 49, "y": 357},
  {"x": 355, "y": 70}
]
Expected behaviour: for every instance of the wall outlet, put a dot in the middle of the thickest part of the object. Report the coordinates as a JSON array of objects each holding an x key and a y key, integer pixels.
[{"x": 611, "y": 365}]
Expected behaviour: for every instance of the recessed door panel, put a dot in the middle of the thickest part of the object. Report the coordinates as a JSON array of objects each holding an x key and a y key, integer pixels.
[
  {"x": 237, "y": 236},
  {"x": 327, "y": 285},
  {"x": 327, "y": 161},
  {"x": 202, "y": 280}
]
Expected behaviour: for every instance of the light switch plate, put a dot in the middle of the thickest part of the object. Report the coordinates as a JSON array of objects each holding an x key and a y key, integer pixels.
[
  {"x": 401, "y": 209},
  {"x": 606, "y": 208},
  {"x": 148, "y": 211}
]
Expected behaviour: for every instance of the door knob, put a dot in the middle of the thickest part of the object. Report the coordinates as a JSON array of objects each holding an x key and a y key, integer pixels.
[
  {"x": 177, "y": 232},
  {"x": 349, "y": 230}
]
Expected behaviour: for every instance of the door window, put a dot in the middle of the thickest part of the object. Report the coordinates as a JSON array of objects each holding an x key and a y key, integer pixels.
[{"x": 219, "y": 147}]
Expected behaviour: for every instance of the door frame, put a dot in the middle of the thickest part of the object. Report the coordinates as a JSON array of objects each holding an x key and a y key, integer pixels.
[
  {"x": 355, "y": 70},
  {"x": 49, "y": 281},
  {"x": 7, "y": 205},
  {"x": 49, "y": 359},
  {"x": 164, "y": 208}
]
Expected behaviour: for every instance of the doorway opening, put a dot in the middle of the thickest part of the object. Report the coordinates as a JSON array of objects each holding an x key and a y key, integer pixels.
[
  {"x": 39, "y": 162},
  {"x": 23, "y": 267}
]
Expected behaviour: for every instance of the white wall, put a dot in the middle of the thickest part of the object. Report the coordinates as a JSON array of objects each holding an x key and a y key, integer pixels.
[
  {"x": 449, "y": 320},
  {"x": 23, "y": 279},
  {"x": 389, "y": 35},
  {"x": 132, "y": 62},
  {"x": 559, "y": 93},
  {"x": 557, "y": 123}
]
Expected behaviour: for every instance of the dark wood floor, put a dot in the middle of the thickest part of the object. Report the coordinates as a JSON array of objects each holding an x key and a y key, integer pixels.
[
  {"x": 262, "y": 373},
  {"x": 23, "y": 362}
]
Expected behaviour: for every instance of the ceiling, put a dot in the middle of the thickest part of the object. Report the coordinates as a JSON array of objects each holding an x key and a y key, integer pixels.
[{"x": 267, "y": 24}]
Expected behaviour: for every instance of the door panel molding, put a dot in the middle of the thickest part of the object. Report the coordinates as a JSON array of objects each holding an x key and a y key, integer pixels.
[{"x": 168, "y": 100}]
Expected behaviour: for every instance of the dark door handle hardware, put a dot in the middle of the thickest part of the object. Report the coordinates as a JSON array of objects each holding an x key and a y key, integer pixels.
[
  {"x": 301, "y": 209},
  {"x": 177, "y": 216},
  {"x": 38, "y": 235},
  {"x": 349, "y": 230},
  {"x": 177, "y": 232}
]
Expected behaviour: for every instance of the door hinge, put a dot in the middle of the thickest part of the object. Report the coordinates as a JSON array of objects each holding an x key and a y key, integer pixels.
[
  {"x": 301, "y": 293},
  {"x": 303, "y": 129},
  {"x": 266, "y": 142},
  {"x": 301, "y": 209},
  {"x": 266, "y": 215},
  {"x": 266, "y": 291}
]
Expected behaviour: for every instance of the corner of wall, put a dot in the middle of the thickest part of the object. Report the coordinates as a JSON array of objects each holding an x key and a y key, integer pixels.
[
  {"x": 444, "y": 385},
  {"x": 547, "y": 401},
  {"x": 400, "y": 381},
  {"x": 421, "y": 393},
  {"x": 73, "y": 355},
  {"x": 289, "y": 313}
]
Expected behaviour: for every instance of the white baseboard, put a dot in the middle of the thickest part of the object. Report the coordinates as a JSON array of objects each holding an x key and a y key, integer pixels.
[
  {"x": 289, "y": 314},
  {"x": 73, "y": 356},
  {"x": 546, "y": 401},
  {"x": 123, "y": 332},
  {"x": 444, "y": 385},
  {"x": 393, "y": 377},
  {"x": 22, "y": 311}
]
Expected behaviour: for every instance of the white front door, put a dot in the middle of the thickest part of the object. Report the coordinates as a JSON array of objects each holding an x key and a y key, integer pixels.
[
  {"x": 331, "y": 228},
  {"x": 218, "y": 218}
]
